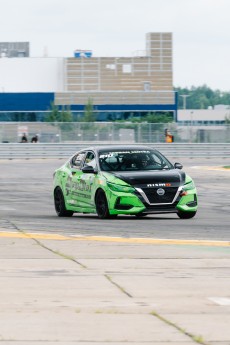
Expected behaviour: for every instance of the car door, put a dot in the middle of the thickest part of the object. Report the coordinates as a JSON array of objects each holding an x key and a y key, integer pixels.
[
  {"x": 73, "y": 185},
  {"x": 88, "y": 180}
]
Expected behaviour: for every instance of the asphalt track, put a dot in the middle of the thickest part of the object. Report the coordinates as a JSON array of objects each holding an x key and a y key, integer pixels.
[
  {"x": 26, "y": 204},
  {"x": 158, "y": 280}
]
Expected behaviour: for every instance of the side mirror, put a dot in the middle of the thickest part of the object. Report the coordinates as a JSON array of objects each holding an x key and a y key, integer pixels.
[
  {"x": 88, "y": 169},
  {"x": 178, "y": 166}
]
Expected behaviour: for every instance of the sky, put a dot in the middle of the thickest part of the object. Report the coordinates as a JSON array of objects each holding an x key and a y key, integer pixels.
[{"x": 200, "y": 28}]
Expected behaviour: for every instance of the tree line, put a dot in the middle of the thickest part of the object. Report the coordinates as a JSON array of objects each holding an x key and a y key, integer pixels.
[{"x": 201, "y": 97}]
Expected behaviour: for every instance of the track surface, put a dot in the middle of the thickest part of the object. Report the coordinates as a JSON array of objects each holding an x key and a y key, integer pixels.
[{"x": 26, "y": 204}]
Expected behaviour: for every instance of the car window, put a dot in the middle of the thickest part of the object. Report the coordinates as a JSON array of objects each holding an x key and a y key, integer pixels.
[
  {"x": 110, "y": 161},
  {"x": 133, "y": 160},
  {"x": 77, "y": 160},
  {"x": 90, "y": 160}
]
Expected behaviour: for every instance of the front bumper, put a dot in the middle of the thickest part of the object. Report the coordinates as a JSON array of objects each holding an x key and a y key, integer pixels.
[
  {"x": 124, "y": 203},
  {"x": 188, "y": 203},
  {"x": 134, "y": 203}
]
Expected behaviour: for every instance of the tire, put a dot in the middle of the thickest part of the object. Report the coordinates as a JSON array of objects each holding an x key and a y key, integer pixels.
[
  {"x": 102, "y": 205},
  {"x": 186, "y": 215},
  {"x": 59, "y": 203}
]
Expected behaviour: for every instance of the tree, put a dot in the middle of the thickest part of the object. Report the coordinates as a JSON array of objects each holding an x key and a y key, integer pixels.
[
  {"x": 89, "y": 115},
  {"x": 159, "y": 118},
  {"x": 55, "y": 115},
  {"x": 201, "y": 97}
]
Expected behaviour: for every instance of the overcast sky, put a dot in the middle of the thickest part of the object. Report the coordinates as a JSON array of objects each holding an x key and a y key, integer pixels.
[{"x": 201, "y": 31}]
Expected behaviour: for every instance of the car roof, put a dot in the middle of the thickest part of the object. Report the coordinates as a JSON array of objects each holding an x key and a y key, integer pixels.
[{"x": 118, "y": 147}]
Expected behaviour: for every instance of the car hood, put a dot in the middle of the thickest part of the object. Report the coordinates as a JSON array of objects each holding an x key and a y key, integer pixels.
[{"x": 173, "y": 177}]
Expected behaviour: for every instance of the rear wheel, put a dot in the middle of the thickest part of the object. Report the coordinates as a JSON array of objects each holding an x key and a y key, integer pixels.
[
  {"x": 186, "y": 215},
  {"x": 102, "y": 205},
  {"x": 59, "y": 204}
]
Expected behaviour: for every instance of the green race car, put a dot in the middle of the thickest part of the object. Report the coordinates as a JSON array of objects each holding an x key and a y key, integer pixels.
[{"x": 132, "y": 180}]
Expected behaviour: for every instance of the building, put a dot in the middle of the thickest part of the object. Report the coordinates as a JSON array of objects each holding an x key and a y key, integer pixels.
[
  {"x": 199, "y": 117},
  {"x": 14, "y": 49},
  {"x": 118, "y": 87}
]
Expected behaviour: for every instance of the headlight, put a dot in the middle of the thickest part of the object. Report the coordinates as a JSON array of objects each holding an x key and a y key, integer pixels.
[
  {"x": 189, "y": 186},
  {"x": 119, "y": 188}
]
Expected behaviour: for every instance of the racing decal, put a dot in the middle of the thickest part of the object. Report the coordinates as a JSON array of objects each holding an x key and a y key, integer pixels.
[
  {"x": 76, "y": 186},
  {"x": 115, "y": 153},
  {"x": 159, "y": 185},
  {"x": 68, "y": 185},
  {"x": 83, "y": 195}
]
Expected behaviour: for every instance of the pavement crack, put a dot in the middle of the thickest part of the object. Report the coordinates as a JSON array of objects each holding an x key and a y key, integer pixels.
[
  {"x": 196, "y": 338},
  {"x": 118, "y": 286},
  {"x": 56, "y": 252},
  {"x": 7, "y": 224}
]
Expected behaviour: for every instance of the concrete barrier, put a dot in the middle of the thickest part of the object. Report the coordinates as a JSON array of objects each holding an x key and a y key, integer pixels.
[{"x": 65, "y": 150}]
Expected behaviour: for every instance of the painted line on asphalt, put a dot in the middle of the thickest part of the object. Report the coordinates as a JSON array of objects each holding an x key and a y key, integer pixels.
[
  {"x": 153, "y": 241},
  {"x": 29, "y": 235}
]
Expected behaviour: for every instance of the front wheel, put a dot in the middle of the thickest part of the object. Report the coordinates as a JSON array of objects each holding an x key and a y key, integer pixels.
[
  {"x": 59, "y": 204},
  {"x": 102, "y": 205},
  {"x": 186, "y": 215}
]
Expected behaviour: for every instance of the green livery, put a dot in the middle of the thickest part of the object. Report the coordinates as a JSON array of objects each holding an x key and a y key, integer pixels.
[{"x": 132, "y": 180}]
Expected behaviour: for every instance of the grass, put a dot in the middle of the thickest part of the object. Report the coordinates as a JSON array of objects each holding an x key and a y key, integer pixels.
[{"x": 197, "y": 338}]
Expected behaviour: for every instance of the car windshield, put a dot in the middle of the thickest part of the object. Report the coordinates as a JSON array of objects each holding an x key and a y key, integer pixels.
[{"x": 133, "y": 160}]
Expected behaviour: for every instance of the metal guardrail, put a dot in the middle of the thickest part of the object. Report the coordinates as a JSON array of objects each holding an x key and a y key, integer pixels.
[{"x": 65, "y": 150}]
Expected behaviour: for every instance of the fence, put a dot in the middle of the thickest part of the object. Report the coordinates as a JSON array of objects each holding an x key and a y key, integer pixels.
[
  {"x": 64, "y": 151},
  {"x": 113, "y": 132}
]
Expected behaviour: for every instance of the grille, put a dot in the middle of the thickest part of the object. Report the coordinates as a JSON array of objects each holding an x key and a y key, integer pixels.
[
  {"x": 160, "y": 208},
  {"x": 154, "y": 198}
]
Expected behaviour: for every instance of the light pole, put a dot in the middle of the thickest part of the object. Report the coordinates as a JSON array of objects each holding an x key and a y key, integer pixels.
[
  {"x": 184, "y": 100},
  {"x": 191, "y": 125}
]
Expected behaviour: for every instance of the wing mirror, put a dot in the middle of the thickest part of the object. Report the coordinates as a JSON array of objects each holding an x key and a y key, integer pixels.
[
  {"x": 88, "y": 169},
  {"x": 178, "y": 166}
]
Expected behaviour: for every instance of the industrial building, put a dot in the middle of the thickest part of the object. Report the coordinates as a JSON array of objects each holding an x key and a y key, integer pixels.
[
  {"x": 14, "y": 49},
  {"x": 118, "y": 87}
]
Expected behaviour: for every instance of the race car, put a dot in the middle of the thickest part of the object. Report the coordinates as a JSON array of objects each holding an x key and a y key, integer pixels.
[{"x": 128, "y": 180}]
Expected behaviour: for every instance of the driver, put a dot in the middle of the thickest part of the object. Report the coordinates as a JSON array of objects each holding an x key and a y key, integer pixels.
[{"x": 144, "y": 162}]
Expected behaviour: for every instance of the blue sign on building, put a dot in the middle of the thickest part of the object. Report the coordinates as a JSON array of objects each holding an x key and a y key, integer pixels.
[{"x": 83, "y": 53}]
